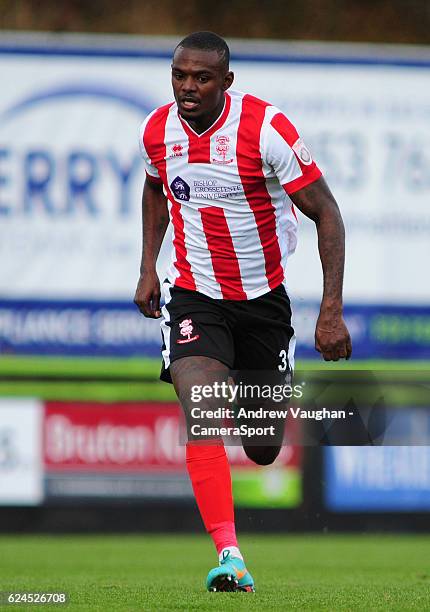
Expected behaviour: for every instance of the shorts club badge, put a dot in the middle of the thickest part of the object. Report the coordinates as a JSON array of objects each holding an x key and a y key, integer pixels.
[{"x": 186, "y": 330}]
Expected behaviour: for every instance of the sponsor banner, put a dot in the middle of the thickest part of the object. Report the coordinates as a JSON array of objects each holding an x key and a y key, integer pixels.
[
  {"x": 21, "y": 469},
  {"x": 129, "y": 450},
  {"x": 112, "y": 437},
  {"x": 118, "y": 329},
  {"x": 71, "y": 177},
  {"x": 77, "y": 328},
  {"x": 377, "y": 330},
  {"x": 134, "y": 450},
  {"x": 377, "y": 478}
]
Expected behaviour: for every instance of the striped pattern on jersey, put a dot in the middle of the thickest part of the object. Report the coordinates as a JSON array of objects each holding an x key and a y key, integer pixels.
[{"x": 234, "y": 225}]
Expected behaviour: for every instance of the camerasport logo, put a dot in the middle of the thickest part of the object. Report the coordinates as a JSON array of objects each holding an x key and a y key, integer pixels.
[
  {"x": 186, "y": 329},
  {"x": 222, "y": 146}
]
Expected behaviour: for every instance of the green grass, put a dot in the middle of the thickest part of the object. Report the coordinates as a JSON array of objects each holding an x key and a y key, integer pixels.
[
  {"x": 96, "y": 391},
  {"x": 147, "y": 369},
  {"x": 79, "y": 367},
  {"x": 83, "y": 378},
  {"x": 136, "y": 379},
  {"x": 138, "y": 572}
]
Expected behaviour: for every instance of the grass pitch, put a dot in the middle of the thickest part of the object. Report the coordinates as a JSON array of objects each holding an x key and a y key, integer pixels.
[{"x": 141, "y": 572}]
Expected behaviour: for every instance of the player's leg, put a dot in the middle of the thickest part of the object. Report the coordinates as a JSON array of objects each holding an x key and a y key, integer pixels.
[
  {"x": 264, "y": 356},
  {"x": 206, "y": 458},
  {"x": 198, "y": 349},
  {"x": 209, "y": 469},
  {"x": 261, "y": 448}
]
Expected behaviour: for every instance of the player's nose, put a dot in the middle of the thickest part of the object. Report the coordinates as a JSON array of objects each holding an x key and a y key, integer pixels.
[{"x": 188, "y": 84}]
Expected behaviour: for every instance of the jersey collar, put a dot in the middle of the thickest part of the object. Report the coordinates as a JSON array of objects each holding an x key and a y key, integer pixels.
[{"x": 219, "y": 122}]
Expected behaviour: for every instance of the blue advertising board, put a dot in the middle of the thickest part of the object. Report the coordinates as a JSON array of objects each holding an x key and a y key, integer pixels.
[
  {"x": 377, "y": 478},
  {"x": 77, "y": 328},
  {"x": 117, "y": 328}
]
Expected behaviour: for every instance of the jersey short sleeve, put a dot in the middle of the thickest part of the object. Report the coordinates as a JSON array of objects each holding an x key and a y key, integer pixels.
[
  {"x": 152, "y": 174},
  {"x": 287, "y": 154}
]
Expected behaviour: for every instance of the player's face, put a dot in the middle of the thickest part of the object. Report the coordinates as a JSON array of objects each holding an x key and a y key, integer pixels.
[{"x": 199, "y": 81}]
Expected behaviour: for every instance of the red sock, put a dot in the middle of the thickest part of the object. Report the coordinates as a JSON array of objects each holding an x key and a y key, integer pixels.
[{"x": 209, "y": 472}]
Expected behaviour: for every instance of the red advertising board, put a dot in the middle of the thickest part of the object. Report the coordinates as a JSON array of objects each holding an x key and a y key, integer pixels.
[
  {"x": 90, "y": 436},
  {"x": 124, "y": 437}
]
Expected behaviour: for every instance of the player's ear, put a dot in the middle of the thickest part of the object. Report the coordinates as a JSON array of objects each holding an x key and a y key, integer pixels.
[{"x": 228, "y": 80}]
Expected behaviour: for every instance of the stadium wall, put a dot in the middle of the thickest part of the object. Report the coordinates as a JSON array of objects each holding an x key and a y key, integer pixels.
[
  {"x": 70, "y": 184},
  {"x": 95, "y": 466}
]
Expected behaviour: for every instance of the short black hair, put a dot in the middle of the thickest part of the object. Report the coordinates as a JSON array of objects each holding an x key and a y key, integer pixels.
[{"x": 207, "y": 41}]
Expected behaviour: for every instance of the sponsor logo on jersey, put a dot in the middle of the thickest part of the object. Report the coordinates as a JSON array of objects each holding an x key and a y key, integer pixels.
[
  {"x": 302, "y": 152},
  {"x": 186, "y": 329},
  {"x": 222, "y": 146},
  {"x": 210, "y": 189},
  {"x": 180, "y": 189},
  {"x": 177, "y": 150}
]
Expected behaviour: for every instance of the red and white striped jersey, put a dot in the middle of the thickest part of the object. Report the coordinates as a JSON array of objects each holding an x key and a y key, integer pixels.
[{"x": 234, "y": 225}]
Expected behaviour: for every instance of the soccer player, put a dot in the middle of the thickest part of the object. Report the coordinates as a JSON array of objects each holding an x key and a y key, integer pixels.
[{"x": 227, "y": 169}]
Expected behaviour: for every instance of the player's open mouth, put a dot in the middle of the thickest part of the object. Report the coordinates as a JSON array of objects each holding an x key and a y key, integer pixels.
[{"x": 188, "y": 104}]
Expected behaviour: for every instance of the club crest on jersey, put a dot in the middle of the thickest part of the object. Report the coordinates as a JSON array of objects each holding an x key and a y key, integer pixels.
[
  {"x": 177, "y": 150},
  {"x": 186, "y": 329},
  {"x": 222, "y": 146},
  {"x": 180, "y": 189},
  {"x": 302, "y": 152}
]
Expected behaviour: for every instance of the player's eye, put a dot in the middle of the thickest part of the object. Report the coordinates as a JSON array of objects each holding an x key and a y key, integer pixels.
[
  {"x": 203, "y": 79},
  {"x": 178, "y": 76}
]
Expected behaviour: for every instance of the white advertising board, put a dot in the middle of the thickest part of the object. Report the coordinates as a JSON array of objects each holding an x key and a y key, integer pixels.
[
  {"x": 71, "y": 177},
  {"x": 21, "y": 464}
]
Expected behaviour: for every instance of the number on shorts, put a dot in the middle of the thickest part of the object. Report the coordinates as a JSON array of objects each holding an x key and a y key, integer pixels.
[{"x": 284, "y": 361}]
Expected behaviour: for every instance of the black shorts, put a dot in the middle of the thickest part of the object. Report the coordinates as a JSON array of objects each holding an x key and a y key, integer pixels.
[{"x": 244, "y": 335}]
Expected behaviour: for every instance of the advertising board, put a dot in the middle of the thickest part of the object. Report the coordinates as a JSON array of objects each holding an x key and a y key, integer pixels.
[
  {"x": 136, "y": 451},
  {"x": 21, "y": 466},
  {"x": 71, "y": 180},
  {"x": 377, "y": 478}
]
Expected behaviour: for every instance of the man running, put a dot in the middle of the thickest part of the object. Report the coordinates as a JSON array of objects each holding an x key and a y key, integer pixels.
[{"x": 227, "y": 169}]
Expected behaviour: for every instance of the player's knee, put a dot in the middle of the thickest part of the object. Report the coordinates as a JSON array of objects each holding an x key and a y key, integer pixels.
[{"x": 262, "y": 455}]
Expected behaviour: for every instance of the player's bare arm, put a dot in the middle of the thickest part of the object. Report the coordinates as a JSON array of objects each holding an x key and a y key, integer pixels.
[
  {"x": 316, "y": 201},
  {"x": 155, "y": 219}
]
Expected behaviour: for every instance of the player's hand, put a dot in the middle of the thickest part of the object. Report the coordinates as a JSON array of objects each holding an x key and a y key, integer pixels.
[
  {"x": 147, "y": 297},
  {"x": 332, "y": 338}
]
